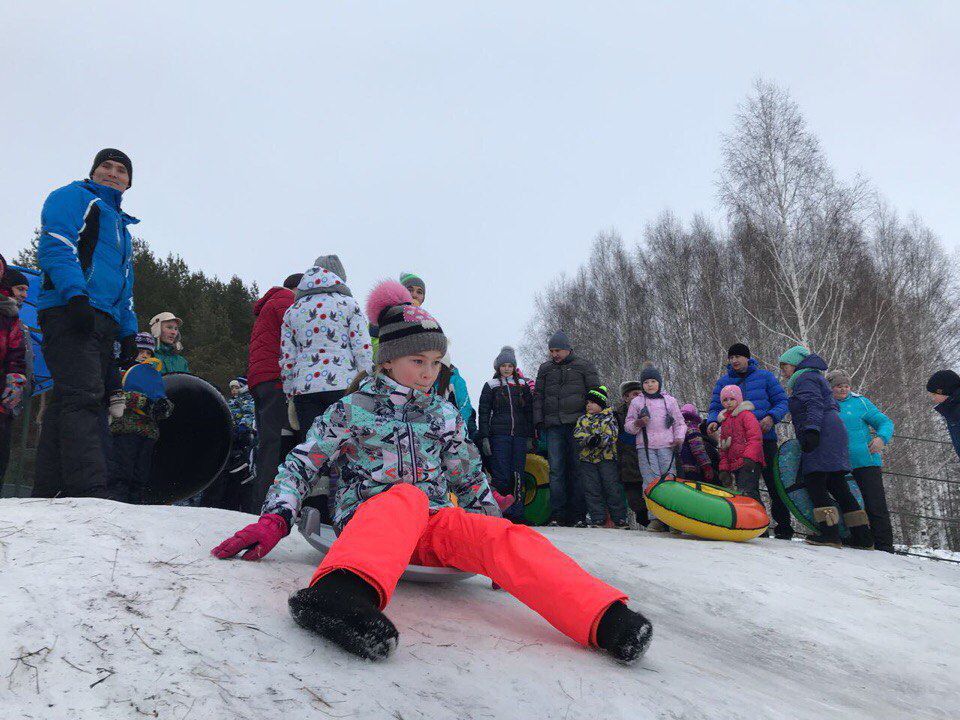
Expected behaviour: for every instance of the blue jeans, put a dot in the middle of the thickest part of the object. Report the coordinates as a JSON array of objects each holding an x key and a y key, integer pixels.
[
  {"x": 508, "y": 457},
  {"x": 566, "y": 493}
]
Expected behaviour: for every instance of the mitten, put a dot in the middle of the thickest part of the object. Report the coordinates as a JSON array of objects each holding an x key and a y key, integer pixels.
[
  {"x": 592, "y": 442},
  {"x": 707, "y": 472},
  {"x": 810, "y": 440},
  {"x": 118, "y": 404},
  {"x": 128, "y": 349},
  {"x": 161, "y": 409},
  {"x": 485, "y": 447},
  {"x": 13, "y": 391},
  {"x": 257, "y": 539}
]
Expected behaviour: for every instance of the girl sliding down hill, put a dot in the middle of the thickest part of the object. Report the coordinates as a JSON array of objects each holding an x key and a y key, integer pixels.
[{"x": 400, "y": 451}]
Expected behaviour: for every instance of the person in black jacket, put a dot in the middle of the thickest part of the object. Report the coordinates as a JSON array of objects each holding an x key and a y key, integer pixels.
[
  {"x": 944, "y": 389},
  {"x": 505, "y": 427},
  {"x": 562, "y": 383}
]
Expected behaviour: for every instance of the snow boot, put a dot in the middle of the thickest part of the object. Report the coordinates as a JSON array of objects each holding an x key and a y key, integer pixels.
[
  {"x": 657, "y": 525},
  {"x": 858, "y": 524},
  {"x": 828, "y": 528},
  {"x": 345, "y": 609},
  {"x": 624, "y": 633}
]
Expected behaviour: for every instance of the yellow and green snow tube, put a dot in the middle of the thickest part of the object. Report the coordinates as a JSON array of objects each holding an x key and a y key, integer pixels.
[{"x": 704, "y": 510}]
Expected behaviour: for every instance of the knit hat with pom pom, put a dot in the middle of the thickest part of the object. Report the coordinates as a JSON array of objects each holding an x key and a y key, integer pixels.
[
  {"x": 405, "y": 329},
  {"x": 507, "y": 355}
]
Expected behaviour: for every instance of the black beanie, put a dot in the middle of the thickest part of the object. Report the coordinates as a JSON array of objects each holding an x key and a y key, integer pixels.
[
  {"x": 292, "y": 281},
  {"x": 12, "y": 278},
  {"x": 738, "y": 349},
  {"x": 943, "y": 382},
  {"x": 598, "y": 395},
  {"x": 117, "y": 156}
]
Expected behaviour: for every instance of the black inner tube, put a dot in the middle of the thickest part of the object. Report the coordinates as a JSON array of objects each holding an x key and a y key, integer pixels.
[{"x": 194, "y": 443}]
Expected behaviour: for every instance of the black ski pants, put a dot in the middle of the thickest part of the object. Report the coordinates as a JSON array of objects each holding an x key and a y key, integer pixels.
[
  {"x": 74, "y": 439},
  {"x": 130, "y": 463},
  {"x": 778, "y": 510},
  {"x": 870, "y": 480}
]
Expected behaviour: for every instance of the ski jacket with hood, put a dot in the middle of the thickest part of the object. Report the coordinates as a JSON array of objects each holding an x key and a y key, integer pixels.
[
  {"x": 740, "y": 437},
  {"x": 380, "y": 436},
  {"x": 560, "y": 390},
  {"x": 602, "y": 425},
  {"x": 506, "y": 408},
  {"x": 324, "y": 341},
  {"x": 813, "y": 407},
  {"x": 263, "y": 364},
  {"x": 666, "y": 426},
  {"x": 950, "y": 410},
  {"x": 172, "y": 359},
  {"x": 860, "y": 417},
  {"x": 760, "y": 387},
  {"x": 85, "y": 249}
]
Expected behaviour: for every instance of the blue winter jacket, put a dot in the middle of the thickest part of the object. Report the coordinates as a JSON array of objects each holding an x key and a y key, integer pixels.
[
  {"x": 85, "y": 249},
  {"x": 760, "y": 387},
  {"x": 813, "y": 407},
  {"x": 859, "y": 415}
]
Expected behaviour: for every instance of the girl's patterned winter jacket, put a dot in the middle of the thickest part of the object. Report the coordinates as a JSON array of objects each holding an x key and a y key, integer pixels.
[
  {"x": 324, "y": 341},
  {"x": 375, "y": 438},
  {"x": 602, "y": 425}
]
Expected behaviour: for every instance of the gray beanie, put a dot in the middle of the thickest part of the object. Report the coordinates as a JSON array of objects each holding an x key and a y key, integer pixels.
[
  {"x": 651, "y": 373},
  {"x": 333, "y": 264},
  {"x": 405, "y": 329},
  {"x": 630, "y": 386},
  {"x": 838, "y": 377},
  {"x": 559, "y": 341},
  {"x": 507, "y": 355},
  {"x": 409, "y": 280}
]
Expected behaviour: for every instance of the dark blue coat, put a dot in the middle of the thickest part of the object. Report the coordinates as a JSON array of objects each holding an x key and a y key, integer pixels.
[
  {"x": 813, "y": 407},
  {"x": 760, "y": 387},
  {"x": 950, "y": 409}
]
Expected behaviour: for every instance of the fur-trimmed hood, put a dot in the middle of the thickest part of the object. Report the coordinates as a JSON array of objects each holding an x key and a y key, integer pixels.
[{"x": 744, "y": 405}]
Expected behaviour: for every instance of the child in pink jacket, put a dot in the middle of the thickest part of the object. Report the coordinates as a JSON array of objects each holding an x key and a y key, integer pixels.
[{"x": 655, "y": 418}]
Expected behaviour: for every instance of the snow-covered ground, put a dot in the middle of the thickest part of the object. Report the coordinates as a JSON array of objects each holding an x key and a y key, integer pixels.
[{"x": 113, "y": 611}]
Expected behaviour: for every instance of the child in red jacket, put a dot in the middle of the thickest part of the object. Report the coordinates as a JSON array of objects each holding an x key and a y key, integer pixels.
[{"x": 741, "y": 443}]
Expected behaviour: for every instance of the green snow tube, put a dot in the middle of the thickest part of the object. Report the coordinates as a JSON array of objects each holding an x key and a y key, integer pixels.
[{"x": 536, "y": 488}]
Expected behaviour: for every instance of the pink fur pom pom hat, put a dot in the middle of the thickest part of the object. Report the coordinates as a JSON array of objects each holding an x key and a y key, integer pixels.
[{"x": 405, "y": 329}]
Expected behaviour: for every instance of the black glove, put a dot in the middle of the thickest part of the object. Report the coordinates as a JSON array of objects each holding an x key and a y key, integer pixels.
[
  {"x": 80, "y": 314},
  {"x": 810, "y": 440},
  {"x": 593, "y": 441},
  {"x": 161, "y": 409},
  {"x": 128, "y": 349}
]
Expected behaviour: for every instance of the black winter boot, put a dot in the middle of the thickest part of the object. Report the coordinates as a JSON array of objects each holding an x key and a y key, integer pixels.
[
  {"x": 828, "y": 528},
  {"x": 623, "y": 633},
  {"x": 858, "y": 524},
  {"x": 344, "y": 608}
]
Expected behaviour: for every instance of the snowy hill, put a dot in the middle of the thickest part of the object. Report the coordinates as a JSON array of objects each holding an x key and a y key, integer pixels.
[{"x": 113, "y": 611}]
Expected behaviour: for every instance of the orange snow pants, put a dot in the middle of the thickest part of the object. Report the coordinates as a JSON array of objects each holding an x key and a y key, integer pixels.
[{"x": 395, "y": 528}]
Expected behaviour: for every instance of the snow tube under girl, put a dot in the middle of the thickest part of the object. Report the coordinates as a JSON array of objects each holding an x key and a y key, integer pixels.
[{"x": 704, "y": 510}]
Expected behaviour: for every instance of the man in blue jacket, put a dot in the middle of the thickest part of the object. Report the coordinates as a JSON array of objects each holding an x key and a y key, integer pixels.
[
  {"x": 86, "y": 303},
  {"x": 769, "y": 399}
]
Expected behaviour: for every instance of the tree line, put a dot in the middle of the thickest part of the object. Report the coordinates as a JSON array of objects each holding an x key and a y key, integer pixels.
[{"x": 800, "y": 257}]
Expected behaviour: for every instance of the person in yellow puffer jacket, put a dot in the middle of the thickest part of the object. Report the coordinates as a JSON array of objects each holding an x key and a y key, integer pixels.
[{"x": 596, "y": 432}]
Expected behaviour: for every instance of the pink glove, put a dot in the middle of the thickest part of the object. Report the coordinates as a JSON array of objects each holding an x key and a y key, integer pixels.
[{"x": 257, "y": 539}]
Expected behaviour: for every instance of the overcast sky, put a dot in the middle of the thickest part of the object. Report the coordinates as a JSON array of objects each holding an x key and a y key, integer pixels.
[{"x": 481, "y": 145}]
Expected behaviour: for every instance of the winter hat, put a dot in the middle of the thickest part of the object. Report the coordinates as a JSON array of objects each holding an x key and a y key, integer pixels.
[
  {"x": 690, "y": 412},
  {"x": 409, "y": 280},
  {"x": 559, "y": 341},
  {"x": 943, "y": 382},
  {"x": 630, "y": 386},
  {"x": 738, "y": 349},
  {"x": 838, "y": 377},
  {"x": 795, "y": 355},
  {"x": 162, "y": 318},
  {"x": 405, "y": 329},
  {"x": 649, "y": 372},
  {"x": 12, "y": 278},
  {"x": 292, "y": 281},
  {"x": 333, "y": 264},
  {"x": 732, "y": 391},
  {"x": 598, "y": 395},
  {"x": 117, "y": 156},
  {"x": 146, "y": 341},
  {"x": 234, "y": 384},
  {"x": 507, "y": 355}
]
